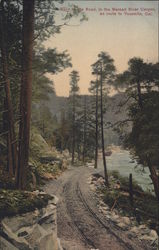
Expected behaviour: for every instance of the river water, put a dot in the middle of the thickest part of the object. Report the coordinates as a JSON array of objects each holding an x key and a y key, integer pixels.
[{"x": 121, "y": 161}]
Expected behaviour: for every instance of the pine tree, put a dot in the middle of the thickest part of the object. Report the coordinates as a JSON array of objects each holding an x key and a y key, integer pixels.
[
  {"x": 105, "y": 69},
  {"x": 74, "y": 78},
  {"x": 26, "y": 92}
]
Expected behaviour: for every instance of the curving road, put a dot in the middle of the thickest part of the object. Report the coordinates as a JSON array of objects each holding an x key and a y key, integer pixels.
[{"x": 80, "y": 225}]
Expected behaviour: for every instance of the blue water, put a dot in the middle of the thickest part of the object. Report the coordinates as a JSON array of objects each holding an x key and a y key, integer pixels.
[{"x": 122, "y": 162}]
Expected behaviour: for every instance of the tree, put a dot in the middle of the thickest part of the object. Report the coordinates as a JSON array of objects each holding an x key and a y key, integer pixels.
[
  {"x": 84, "y": 127},
  {"x": 13, "y": 21},
  {"x": 105, "y": 68},
  {"x": 95, "y": 89},
  {"x": 74, "y": 78},
  {"x": 140, "y": 82},
  {"x": 26, "y": 92},
  {"x": 11, "y": 139}
]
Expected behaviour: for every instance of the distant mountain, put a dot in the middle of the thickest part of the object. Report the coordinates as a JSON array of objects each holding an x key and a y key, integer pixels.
[
  {"x": 56, "y": 104},
  {"x": 113, "y": 112}
]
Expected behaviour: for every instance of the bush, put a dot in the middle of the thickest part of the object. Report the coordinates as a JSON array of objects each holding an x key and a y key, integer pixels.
[{"x": 14, "y": 202}]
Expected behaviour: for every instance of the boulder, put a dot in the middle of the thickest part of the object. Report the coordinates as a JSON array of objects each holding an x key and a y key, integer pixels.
[
  {"x": 6, "y": 245},
  {"x": 17, "y": 242},
  {"x": 33, "y": 230}
]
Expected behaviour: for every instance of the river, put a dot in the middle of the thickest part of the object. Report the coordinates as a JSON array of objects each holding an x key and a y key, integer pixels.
[{"x": 121, "y": 161}]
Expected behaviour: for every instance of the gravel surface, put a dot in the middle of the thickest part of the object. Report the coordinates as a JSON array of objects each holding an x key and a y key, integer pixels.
[{"x": 80, "y": 225}]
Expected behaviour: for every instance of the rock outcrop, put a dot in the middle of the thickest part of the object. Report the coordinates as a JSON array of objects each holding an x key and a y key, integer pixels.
[{"x": 35, "y": 230}]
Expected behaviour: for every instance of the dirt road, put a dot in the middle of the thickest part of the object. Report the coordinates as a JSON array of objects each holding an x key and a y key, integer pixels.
[{"x": 80, "y": 225}]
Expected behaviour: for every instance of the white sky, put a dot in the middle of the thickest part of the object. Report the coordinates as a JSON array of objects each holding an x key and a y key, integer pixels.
[{"x": 123, "y": 37}]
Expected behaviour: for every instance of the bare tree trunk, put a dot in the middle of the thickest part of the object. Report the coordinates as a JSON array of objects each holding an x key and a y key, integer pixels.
[
  {"x": 102, "y": 130},
  {"x": 8, "y": 140},
  {"x": 96, "y": 149},
  {"x": 84, "y": 129},
  {"x": 9, "y": 156},
  {"x": 12, "y": 149},
  {"x": 78, "y": 152},
  {"x": 155, "y": 180},
  {"x": 73, "y": 131},
  {"x": 26, "y": 92}
]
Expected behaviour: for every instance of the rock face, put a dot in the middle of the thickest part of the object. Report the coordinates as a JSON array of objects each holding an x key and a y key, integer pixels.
[{"x": 35, "y": 230}]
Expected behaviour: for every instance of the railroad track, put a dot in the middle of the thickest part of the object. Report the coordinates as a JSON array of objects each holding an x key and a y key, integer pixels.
[
  {"x": 125, "y": 244},
  {"x": 80, "y": 225}
]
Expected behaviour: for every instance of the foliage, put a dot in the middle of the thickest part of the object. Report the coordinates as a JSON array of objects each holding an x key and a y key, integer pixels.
[
  {"x": 120, "y": 198},
  {"x": 14, "y": 202},
  {"x": 144, "y": 137},
  {"x": 140, "y": 83}
]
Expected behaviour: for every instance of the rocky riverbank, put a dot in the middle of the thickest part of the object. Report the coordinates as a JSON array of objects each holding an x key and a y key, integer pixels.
[{"x": 109, "y": 206}]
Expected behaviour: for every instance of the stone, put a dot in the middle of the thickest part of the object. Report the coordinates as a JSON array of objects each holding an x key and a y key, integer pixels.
[
  {"x": 126, "y": 220},
  {"x": 142, "y": 226},
  {"x": 17, "y": 242},
  {"x": 48, "y": 242},
  {"x": 92, "y": 187},
  {"x": 54, "y": 200},
  {"x": 34, "y": 236},
  {"x": 115, "y": 218},
  {"x": 121, "y": 225},
  {"x": 105, "y": 208},
  {"x": 94, "y": 178},
  {"x": 6, "y": 245},
  {"x": 135, "y": 230},
  {"x": 59, "y": 244},
  {"x": 33, "y": 230},
  {"x": 153, "y": 234},
  {"x": 24, "y": 220},
  {"x": 146, "y": 237},
  {"x": 100, "y": 180}
]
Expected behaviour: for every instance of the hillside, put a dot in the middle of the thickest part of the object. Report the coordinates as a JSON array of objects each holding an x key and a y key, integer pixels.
[{"x": 113, "y": 113}]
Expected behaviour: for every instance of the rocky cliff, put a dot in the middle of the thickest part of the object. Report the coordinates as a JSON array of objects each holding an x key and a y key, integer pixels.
[{"x": 34, "y": 230}]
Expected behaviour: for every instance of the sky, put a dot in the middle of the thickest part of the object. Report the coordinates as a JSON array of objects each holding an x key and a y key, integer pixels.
[{"x": 129, "y": 30}]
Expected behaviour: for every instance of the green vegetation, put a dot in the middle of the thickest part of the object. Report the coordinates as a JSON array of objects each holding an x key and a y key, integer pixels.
[
  {"x": 27, "y": 126},
  {"x": 117, "y": 197},
  {"x": 140, "y": 83},
  {"x": 14, "y": 202}
]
